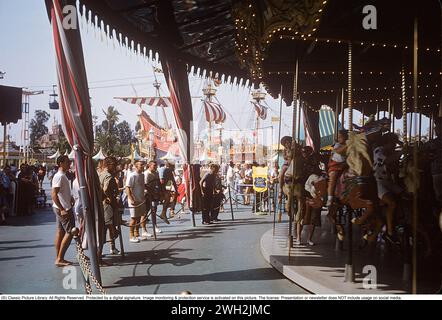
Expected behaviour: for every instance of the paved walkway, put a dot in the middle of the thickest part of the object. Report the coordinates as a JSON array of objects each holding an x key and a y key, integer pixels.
[
  {"x": 320, "y": 268},
  {"x": 223, "y": 258}
]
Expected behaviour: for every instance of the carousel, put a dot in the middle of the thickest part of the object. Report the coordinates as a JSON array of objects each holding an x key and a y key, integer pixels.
[{"x": 356, "y": 60}]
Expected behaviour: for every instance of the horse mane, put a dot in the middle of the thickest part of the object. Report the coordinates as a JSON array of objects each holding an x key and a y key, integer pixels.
[{"x": 359, "y": 159}]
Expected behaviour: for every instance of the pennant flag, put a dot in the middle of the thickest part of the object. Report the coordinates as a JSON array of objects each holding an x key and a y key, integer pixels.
[{"x": 163, "y": 102}]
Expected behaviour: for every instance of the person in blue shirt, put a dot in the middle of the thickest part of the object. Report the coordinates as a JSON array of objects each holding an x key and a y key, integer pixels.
[{"x": 166, "y": 176}]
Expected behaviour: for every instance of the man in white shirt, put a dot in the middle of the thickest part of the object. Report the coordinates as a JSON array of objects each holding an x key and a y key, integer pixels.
[
  {"x": 230, "y": 176},
  {"x": 136, "y": 199},
  {"x": 62, "y": 198}
]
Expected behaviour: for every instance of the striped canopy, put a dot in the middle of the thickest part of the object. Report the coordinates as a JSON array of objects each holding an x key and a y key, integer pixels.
[
  {"x": 214, "y": 112},
  {"x": 163, "y": 102},
  {"x": 326, "y": 126},
  {"x": 261, "y": 111}
]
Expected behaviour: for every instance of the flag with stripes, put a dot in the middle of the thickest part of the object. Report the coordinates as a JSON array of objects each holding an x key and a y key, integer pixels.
[
  {"x": 261, "y": 111},
  {"x": 214, "y": 112},
  {"x": 163, "y": 102}
]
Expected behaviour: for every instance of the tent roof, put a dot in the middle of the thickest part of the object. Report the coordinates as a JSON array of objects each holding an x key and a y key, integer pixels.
[
  {"x": 72, "y": 155},
  {"x": 100, "y": 155},
  {"x": 259, "y": 40},
  {"x": 55, "y": 155}
]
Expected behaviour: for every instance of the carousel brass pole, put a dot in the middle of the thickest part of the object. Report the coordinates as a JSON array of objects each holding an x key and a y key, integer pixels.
[
  {"x": 299, "y": 123},
  {"x": 4, "y": 144},
  {"x": 363, "y": 116},
  {"x": 392, "y": 119},
  {"x": 293, "y": 156},
  {"x": 349, "y": 275},
  {"x": 389, "y": 110},
  {"x": 336, "y": 117},
  {"x": 377, "y": 111},
  {"x": 430, "y": 131},
  {"x": 420, "y": 128},
  {"x": 342, "y": 108},
  {"x": 415, "y": 156},
  {"x": 275, "y": 198},
  {"x": 404, "y": 108}
]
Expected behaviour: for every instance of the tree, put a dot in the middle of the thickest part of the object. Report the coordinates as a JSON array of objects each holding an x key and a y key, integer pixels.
[
  {"x": 38, "y": 127},
  {"x": 113, "y": 137},
  {"x": 124, "y": 132},
  {"x": 62, "y": 143}
]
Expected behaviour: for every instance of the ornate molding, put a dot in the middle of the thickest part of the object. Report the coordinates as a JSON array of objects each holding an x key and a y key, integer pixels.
[{"x": 258, "y": 23}]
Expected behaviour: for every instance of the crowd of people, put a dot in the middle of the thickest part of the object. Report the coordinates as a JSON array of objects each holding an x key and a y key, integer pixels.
[{"x": 26, "y": 182}]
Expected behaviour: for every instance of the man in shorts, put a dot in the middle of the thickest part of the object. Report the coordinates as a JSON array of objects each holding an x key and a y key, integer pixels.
[
  {"x": 109, "y": 189},
  {"x": 136, "y": 199},
  {"x": 62, "y": 198}
]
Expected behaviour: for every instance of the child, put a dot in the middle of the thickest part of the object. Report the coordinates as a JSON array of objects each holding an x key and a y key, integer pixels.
[{"x": 336, "y": 164}]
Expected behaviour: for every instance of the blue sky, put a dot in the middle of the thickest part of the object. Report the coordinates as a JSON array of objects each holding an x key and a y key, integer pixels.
[{"x": 27, "y": 57}]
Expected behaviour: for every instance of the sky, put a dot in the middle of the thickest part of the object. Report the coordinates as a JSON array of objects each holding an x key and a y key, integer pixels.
[{"x": 27, "y": 57}]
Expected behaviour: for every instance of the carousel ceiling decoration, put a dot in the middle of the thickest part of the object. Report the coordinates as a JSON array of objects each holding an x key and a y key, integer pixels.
[
  {"x": 257, "y": 22},
  {"x": 246, "y": 42}
]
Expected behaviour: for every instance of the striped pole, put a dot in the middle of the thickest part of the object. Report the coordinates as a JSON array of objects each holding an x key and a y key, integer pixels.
[{"x": 404, "y": 107}]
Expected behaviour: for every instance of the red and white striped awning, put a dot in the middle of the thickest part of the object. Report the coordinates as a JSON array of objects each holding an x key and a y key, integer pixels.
[
  {"x": 214, "y": 112},
  {"x": 261, "y": 111},
  {"x": 163, "y": 102}
]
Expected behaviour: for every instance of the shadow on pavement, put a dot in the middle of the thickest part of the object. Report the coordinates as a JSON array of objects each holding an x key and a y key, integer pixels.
[{"x": 240, "y": 275}]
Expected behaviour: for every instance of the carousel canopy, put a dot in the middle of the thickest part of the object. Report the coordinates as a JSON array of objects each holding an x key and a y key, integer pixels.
[
  {"x": 100, "y": 155},
  {"x": 260, "y": 41}
]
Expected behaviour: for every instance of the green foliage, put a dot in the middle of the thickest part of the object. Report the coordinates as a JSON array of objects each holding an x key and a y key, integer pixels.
[
  {"x": 38, "y": 127},
  {"x": 113, "y": 137},
  {"x": 62, "y": 143}
]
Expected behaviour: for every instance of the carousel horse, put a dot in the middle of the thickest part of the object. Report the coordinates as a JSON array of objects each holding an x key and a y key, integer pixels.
[
  {"x": 298, "y": 187},
  {"x": 420, "y": 182},
  {"x": 356, "y": 187}
]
